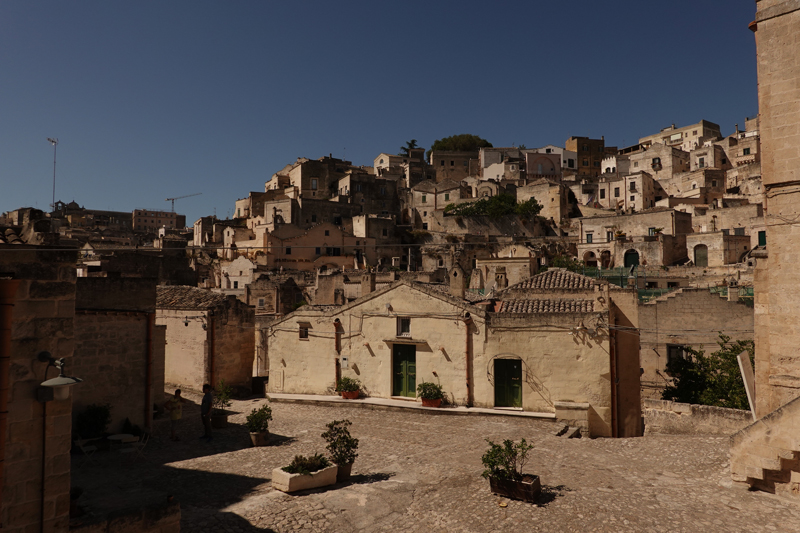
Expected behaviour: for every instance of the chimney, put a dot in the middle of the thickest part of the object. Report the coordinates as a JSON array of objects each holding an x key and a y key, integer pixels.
[
  {"x": 367, "y": 283},
  {"x": 457, "y": 282}
]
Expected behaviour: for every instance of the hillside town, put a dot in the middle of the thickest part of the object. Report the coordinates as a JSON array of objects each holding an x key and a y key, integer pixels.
[{"x": 543, "y": 292}]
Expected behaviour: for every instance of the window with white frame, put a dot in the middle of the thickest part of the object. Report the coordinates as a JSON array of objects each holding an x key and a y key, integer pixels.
[{"x": 403, "y": 327}]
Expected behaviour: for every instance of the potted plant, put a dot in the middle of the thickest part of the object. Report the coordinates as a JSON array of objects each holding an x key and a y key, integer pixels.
[
  {"x": 222, "y": 400},
  {"x": 342, "y": 447},
  {"x": 430, "y": 393},
  {"x": 503, "y": 467},
  {"x": 304, "y": 473},
  {"x": 349, "y": 387},
  {"x": 258, "y": 425}
]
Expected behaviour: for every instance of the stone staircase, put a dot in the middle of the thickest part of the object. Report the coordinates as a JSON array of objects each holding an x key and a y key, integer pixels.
[
  {"x": 766, "y": 454},
  {"x": 664, "y": 297}
]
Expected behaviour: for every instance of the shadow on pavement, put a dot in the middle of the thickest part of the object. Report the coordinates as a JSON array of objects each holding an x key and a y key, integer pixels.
[{"x": 550, "y": 493}]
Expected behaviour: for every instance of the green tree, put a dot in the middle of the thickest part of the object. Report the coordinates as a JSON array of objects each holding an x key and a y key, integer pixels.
[
  {"x": 713, "y": 379},
  {"x": 564, "y": 261},
  {"x": 410, "y": 145},
  {"x": 465, "y": 142},
  {"x": 495, "y": 207}
]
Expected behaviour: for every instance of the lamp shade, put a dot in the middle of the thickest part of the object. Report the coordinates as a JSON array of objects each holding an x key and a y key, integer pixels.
[{"x": 60, "y": 386}]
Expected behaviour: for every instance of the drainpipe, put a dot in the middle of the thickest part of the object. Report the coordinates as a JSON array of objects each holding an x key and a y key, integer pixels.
[
  {"x": 44, "y": 457},
  {"x": 211, "y": 342},
  {"x": 337, "y": 345},
  {"x": 467, "y": 359},
  {"x": 148, "y": 379},
  {"x": 612, "y": 351},
  {"x": 8, "y": 292}
]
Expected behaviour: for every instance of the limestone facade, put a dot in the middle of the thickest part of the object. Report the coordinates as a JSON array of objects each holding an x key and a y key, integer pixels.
[
  {"x": 118, "y": 348},
  {"x": 686, "y": 317},
  {"x": 40, "y": 298},
  {"x": 457, "y": 345}
]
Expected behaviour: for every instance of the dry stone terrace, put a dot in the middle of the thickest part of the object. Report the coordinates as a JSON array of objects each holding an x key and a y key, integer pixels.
[{"x": 418, "y": 471}]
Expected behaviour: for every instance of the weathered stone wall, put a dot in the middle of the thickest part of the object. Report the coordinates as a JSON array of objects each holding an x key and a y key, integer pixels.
[
  {"x": 42, "y": 319},
  {"x": 151, "y": 519},
  {"x": 661, "y": 416},
  {"x": 557, "y": 366},
  {"x": 777, "y": 279},
  {"x": 111, "y": 357},
  {"x": 234, "y": 345},
  {"x": 688, "y": 317},
  {"x": 186, "y": 354}
]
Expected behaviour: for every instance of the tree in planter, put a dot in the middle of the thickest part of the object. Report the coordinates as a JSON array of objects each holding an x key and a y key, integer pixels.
[
  {"x": 258, "y": 425},
  {"x": 222, "y": 398},
  {"x": 341, "y": 446},
  {"x": 505, "y": 461}
]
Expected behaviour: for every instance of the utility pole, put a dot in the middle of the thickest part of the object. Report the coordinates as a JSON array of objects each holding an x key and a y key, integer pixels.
[{"x": 54, "y": 142}]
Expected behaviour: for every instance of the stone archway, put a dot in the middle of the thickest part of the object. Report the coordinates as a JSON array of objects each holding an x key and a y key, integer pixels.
[
  {"x": 631, "y": 258},
  {"x": 589, "y": 259},
  {"x": 605, "y": 259}
]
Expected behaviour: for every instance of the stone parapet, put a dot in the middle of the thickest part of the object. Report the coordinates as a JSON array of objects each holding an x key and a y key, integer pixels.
[{"x": 674, "y": 418}]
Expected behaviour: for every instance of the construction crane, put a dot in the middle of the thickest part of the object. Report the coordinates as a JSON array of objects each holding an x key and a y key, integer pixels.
[{"x": 179, "y": 197}]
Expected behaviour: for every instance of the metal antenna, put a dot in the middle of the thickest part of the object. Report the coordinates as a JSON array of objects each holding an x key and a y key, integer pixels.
[{"x": 54, "y": 142}]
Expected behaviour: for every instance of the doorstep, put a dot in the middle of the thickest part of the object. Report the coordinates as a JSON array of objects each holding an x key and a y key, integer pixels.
[{"x": 393, "y": 404}]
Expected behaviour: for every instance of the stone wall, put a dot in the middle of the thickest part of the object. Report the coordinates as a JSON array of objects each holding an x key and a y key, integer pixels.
[
  {"x": 687, "y": 317},
  {"x": 44, "y": 307},
  {"x": 661, "y": 416},
  {"x": 777, "y": 277}
]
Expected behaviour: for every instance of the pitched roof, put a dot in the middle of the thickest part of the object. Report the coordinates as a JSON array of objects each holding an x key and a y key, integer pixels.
[
  {"x": 185, "y": 297},
  {"x": 556, "y": 278},
  {"x": 535, "y": 305}
]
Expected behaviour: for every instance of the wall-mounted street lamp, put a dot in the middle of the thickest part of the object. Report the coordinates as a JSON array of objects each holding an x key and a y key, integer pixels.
[
  {"x": 187, "y": 319},
  {"x": 56, "y": 388}
]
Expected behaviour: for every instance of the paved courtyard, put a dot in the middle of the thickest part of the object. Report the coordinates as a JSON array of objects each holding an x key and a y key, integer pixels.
[{"x": 418, "y": 471}]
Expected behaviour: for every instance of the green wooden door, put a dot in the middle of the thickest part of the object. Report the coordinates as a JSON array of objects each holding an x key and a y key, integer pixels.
[
  {"x": 507, "y": 383},
  {"x": 404, "y": 370}
]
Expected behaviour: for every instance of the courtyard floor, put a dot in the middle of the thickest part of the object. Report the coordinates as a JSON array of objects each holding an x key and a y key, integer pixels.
[{"x": 418, "y": 471}]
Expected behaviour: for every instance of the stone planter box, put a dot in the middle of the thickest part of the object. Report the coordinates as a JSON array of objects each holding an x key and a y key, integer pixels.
[
  {"x": 527, "y": 490},
  {"x": 286, "y": 482},
  {"x": 259, "y": 439}
]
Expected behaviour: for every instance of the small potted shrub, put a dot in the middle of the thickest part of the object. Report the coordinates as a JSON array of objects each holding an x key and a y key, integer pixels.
[
  {"x": 503, "y": 465},
  {"x": 349, "y": 387},
  {"x": 222, "y": 400},
  {"x": 258, "y": 425},
  {"x": 342, "y": 447},
  {"x": 430, "y": 393},
  {"x": 304, "y": 473}
]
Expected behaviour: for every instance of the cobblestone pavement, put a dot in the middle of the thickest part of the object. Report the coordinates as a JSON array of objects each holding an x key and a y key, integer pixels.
[{"x": 421, "y": 472}]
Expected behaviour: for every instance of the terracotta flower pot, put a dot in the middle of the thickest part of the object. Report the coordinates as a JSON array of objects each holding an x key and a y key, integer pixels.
[
  {"x": 431, "y": 403},
  {"x": 260, "y": 439},
  {"x": 350, "y": 395},
  {"x": 343, "y": 474}
]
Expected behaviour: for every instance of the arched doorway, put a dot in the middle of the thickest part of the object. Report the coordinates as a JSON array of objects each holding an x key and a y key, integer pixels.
[
  {"x": 701, "y": 255},
  {"x": 589, "y": 259},
  {"x": 605, "y": 259},
  {"x": 631, "y": 258}
]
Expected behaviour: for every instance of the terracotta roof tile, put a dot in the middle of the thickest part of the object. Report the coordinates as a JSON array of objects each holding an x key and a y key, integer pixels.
[
  {"x": 535, "y": 306},
  {"x": 556, "y": 278},
  {"x": 185, "y": 297}
]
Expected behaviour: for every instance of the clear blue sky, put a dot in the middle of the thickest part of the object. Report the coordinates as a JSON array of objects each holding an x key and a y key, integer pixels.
[{"x": 151, "y": 100}]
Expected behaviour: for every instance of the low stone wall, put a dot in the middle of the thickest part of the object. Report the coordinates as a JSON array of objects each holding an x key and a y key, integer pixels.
[
  {"x": 661, "y": 416},
  {"x": 161, "y": 518}
]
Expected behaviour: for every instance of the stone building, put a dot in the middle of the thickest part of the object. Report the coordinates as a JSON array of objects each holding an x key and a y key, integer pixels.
[
  {"x": 37, "y": 310},
  {"x": 118, "y": 348},
  {"x": 547, "y": 346},
  {"x": 453, "y": 166},
  {"x": 590, "y": 153},
  {"x": 209, "y": 337},
  {"x": 764, "y": 455},
  {"x": 686, "y": 138},
  {"x": 686, "y": 317}
]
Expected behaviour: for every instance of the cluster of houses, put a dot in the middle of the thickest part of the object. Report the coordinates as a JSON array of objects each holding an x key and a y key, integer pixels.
[{"x": 340, "y": 270}]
